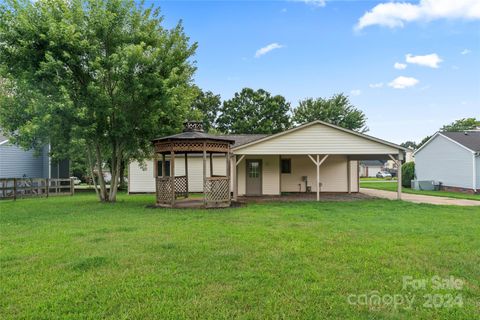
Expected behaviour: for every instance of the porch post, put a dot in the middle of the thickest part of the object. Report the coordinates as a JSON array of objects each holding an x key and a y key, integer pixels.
[
  {"x": 186, "y": 170},
  {"x": 399, "y": 179},
  {"x": 211, "y": 164},
  {"x": 163, "y": 165},
  {"x": 204, "y": 173},
  {"x": 318, "y": 177},
  {"x": 349, "y": 174},
  {"x": 234, "y": 177},
  {"x": 172, "y": 175}
]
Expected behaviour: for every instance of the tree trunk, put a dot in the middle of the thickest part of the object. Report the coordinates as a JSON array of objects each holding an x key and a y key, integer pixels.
[
  {"x": 101, "y": 178},
  {"x": 91, "y": 166},
  {"x": 116, "y": 164}
]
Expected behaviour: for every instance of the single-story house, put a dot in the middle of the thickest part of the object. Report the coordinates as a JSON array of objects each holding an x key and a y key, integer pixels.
[
  {"x": 16, "y": 162},
  {"x": 370, "y": 168},
  {"x": 316, "y": 156},
  {"x": 452, "y": 159}
]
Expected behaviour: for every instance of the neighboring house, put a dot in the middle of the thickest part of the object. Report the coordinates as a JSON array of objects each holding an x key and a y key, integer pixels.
[
  {"x": 16, "y": 162},
  {"x": 370, "y": 168},
  {"x": 391, "y": 166},
  {"x": 452, "y": 159},
  {"x": 283, "y": 162}
]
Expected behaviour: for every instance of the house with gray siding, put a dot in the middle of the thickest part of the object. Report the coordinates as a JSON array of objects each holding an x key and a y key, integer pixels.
[
  {"x": 16, "y": 162},
  {"x": 452, "y": 159}
]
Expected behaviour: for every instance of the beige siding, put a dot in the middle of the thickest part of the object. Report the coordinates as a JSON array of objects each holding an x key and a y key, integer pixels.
[
  {"x": 141, "y": 179},
  {"x": 270, "y": 175},
  {"x": 317, "y": 139},
  {"x": 333, "y": 174}
]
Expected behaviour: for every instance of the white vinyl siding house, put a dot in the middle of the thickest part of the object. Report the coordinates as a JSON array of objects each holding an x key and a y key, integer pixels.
[
  {"x": 321, "y": 158},
  {"x": 444, "y": 160}
]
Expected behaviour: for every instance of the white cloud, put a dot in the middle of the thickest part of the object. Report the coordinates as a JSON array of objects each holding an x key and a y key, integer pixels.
[
  {"x": 376, "y": 85},
  {"x": 316, "y": 3},
  {"x": 428, "y": 60},
  {"x": 272, "y": 46},
  {"x": 466, "y": 51},
  {"x": 403, "y": 82},
  {"x": 356, "y": 92},
  {"x": 399, "y": 66},
  {"x": 396, "y": 14}
]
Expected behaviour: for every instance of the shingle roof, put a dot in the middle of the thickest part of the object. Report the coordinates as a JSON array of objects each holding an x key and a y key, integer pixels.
[
  {"x": 241, "y": 139},
  {"x": 469, "y": 139}
]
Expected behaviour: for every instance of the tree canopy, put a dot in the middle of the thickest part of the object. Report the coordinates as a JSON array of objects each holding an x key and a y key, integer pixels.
[
  {"x": 251, "y": 111},
  {"x": 336, "y": 110},
  {"x": 206, "y": 107},
  {"x": 461, "y": 125},
  {"x": 103, "y": 74}
]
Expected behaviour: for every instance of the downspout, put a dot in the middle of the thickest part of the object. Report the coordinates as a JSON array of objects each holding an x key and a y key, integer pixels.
[{"x": 474, "y": 157}]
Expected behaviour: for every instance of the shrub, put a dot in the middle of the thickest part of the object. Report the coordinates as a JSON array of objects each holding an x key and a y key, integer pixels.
[{"x": 408, "y": 174}]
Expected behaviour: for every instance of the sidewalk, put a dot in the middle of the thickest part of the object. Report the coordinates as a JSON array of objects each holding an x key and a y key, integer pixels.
[{"x": 417, "y": 198}]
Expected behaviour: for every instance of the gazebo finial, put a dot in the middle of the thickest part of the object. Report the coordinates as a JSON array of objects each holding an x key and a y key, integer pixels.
[{"x": 192, "y": 126}]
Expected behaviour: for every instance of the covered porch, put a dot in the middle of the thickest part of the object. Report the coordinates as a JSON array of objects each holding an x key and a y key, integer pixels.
[{"x": 308, "y": 176}]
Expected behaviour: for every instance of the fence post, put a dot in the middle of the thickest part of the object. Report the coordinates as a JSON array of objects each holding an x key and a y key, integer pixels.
[
  {"x": 72, "y": 187},
  {"x": 46, "y": 187},
  {"x": 14, "y": 188}
]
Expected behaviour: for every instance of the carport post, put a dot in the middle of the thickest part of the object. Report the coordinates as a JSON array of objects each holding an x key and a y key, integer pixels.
[{"x": 399, "y": 180}]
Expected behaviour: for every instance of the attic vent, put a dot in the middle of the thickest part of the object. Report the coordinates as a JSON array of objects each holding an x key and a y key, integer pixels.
[{"x": 192, "y": 126}]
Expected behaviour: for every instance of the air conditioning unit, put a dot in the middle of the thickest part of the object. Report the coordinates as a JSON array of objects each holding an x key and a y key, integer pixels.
[{"x": 424, "y": 185}]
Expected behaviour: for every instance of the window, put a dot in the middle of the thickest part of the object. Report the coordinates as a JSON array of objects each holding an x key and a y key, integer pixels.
[
  {"x": 253, "y": 169},
  {"x": 286, "y": 165},
  {"x": 167, "y": 168}
]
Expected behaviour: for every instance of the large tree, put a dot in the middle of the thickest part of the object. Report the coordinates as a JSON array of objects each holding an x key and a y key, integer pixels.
[
  {"x": 462, "y": 124},
  {"x": 251, "y": 111},
  {"x": 335, "y": 110},
  {"x": 206, "y": 107},
  {"x": 100, "y": 74}
]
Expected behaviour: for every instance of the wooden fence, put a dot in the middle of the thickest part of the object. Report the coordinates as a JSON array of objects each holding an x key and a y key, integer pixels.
[{"x": 14, "y": 188}]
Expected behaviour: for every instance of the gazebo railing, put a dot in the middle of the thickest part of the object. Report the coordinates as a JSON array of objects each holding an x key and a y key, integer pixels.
[
  {"x": 217, "y": 191},
  {"x": 165, "y": 194}
]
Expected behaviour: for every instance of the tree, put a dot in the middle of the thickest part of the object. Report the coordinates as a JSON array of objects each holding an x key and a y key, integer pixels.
[
  {"x": 462, "y": 125},
  {"x": 206, "y": 107},
  {"x": 103, "y": 75},
  {"x": 251, "y": 111},
  {"x": 409, "y": 144},
  {"x": 336, "y": 110},
  {"x": 408, "y": 174}
]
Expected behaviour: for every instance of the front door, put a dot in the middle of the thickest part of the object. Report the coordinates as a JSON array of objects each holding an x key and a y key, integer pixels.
[{"x": 254, "y": 177}]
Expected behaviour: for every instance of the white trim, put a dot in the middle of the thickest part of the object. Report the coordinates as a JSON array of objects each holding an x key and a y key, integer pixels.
[
  {"x": 449, "y": 139},
  {"x": 474, "y": 180},
  {"x": 3, "y": 142},
  {"x": 325, "y": 124}
]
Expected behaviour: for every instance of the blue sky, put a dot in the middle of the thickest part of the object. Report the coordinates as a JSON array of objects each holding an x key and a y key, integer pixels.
[{"x": 321, "y": 48}]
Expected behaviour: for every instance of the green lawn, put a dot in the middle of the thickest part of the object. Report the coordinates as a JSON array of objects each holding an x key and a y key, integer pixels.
[
  {"x": 377, "y": 179},
  {"x": 392, "y": 186},
  {"x": 73, "y": 258}
]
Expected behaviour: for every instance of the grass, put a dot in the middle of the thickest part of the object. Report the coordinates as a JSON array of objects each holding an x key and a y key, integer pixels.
[
  {"x": 362, "y": 179},
  {"x": 393, "y": 187},
  {"x": 71, "y": 257}
]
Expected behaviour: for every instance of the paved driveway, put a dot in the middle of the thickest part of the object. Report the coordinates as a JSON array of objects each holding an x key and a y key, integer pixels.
[{"x": 417, "y": 198}]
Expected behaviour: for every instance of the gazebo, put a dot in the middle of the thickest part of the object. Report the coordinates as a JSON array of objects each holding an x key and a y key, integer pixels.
[{"x": 171, "y": 191}]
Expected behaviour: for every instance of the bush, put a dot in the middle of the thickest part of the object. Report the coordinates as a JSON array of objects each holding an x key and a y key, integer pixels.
[{"x": 408, "y": 174}]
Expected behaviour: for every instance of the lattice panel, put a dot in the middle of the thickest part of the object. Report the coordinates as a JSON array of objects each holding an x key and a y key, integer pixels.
[
  {"x": 181, "y": 186},
  {"x": 164, "y": 190},
  {"x": 217, "y": 189}
]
